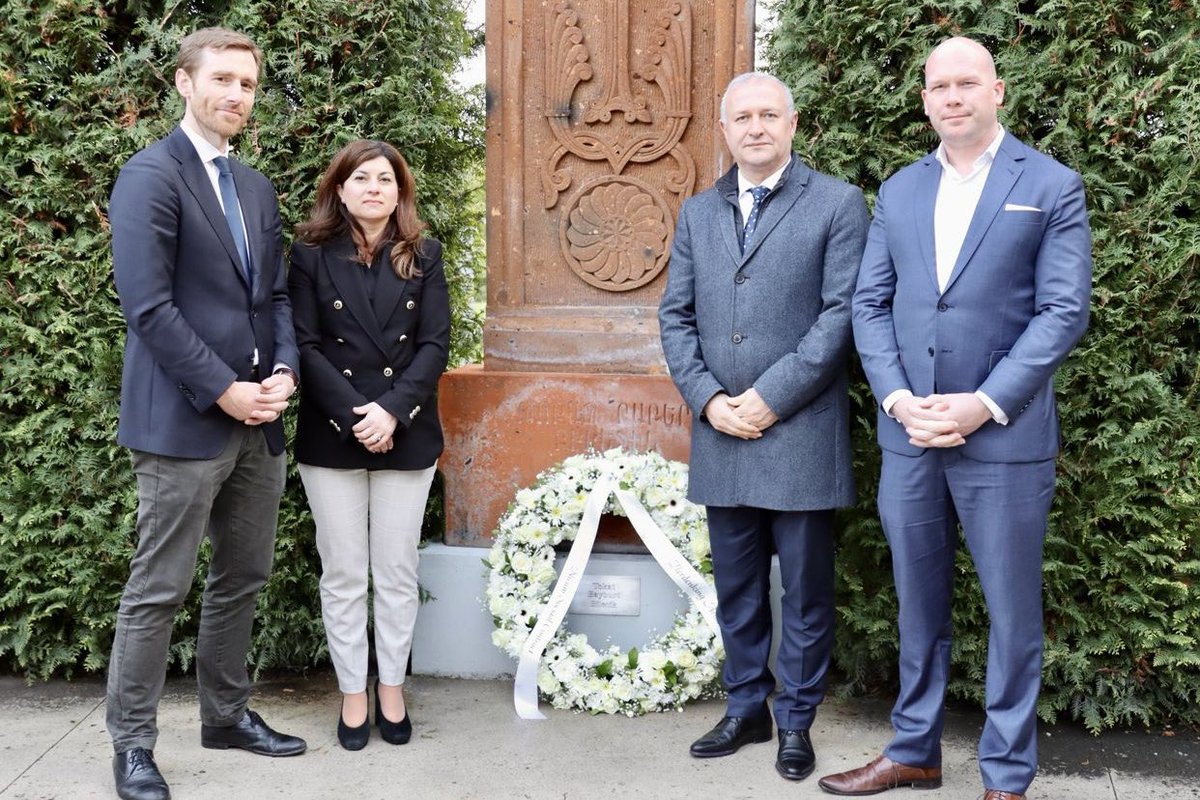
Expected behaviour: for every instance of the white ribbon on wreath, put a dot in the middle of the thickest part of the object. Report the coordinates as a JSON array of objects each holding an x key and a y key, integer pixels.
[{"x": 682, "y": 573}]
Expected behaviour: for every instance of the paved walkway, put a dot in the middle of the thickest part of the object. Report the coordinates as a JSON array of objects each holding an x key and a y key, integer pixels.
[{"x": 469, "y": 744}]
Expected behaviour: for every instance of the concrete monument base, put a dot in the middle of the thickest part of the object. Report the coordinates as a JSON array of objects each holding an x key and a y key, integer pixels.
[{"x": 453, "y": 636}]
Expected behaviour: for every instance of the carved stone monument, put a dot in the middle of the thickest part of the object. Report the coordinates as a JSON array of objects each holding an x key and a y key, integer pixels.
[{"x": 601, "y": 119}]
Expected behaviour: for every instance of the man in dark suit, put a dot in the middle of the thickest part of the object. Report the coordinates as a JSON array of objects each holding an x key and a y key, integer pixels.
[
  {"x": 755, "y": 327},
  {"x": 974, "y": 287},
  {"x": 210, "y": 356}
]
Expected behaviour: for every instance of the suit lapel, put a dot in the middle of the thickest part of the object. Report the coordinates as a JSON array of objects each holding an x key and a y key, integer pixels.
[
  {"x": 727, "y": 186},
  {"x": 787, "y": 192},
  {"x": 195, "y": 178},
  {"x": 923, "y": 210},
  {"x": 387, "y": 293},
  {"x": 341, "y": 263},
  {"x": 1003, "y": 174}
]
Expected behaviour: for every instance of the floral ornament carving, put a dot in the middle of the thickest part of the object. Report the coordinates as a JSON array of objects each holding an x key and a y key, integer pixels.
[
  {"x": 638, "y": 117},
  {"x": 615, "y": 235}
]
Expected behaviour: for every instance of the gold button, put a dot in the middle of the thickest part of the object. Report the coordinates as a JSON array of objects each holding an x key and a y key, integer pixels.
[
  {"x": 410, "y": 305},
  {"x": 337, "y": 304},
  {"x": 387, "y": 372}
]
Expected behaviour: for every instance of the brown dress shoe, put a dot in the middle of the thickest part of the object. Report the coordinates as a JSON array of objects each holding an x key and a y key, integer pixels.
[
  {"x": 997, "y": 794},
  {"x": 880, "y": 775}
]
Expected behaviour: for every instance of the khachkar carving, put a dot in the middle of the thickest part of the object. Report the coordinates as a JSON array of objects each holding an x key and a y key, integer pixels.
[{"x": 615, "y": 229}]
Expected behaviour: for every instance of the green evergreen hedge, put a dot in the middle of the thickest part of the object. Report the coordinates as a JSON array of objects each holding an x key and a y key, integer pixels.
[
  {"x": 1113, "y": 90},
  {"x": 84, "y": 85}
]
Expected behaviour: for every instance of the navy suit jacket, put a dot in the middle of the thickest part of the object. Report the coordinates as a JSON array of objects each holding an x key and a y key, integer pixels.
[
  {"x": 391, "y": 350},
  {"x": 1016, "y": 302},
  {"x": 193, "y": 319}
]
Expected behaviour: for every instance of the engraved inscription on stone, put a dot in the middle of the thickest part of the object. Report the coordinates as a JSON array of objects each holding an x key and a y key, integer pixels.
[{"x": 610, "y": 595}]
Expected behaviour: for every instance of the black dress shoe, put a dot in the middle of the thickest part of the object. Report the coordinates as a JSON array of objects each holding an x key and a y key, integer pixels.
[
  {"x": 392, "y": 732},
  {"x": 796, "y": 758},
  {"x": 251, "y": 733},
  {"x": 731, "y": 733},
  {"x": 137, "y": 776},
  {"x": 353, "y": 738}
]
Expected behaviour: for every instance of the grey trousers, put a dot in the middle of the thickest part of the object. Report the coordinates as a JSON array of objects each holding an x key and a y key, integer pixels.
[{"x": 234, "y": 500}]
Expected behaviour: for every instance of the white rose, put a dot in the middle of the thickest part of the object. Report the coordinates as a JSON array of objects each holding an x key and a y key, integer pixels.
[
  {"x": 521, "y": 562},
  {"x": 544, "y": 574},
  {"x": 547, "y": 682},
  {"x": 654, "y": 659},
  {"x": 501, "y": 606},
  {"x": 621, "y": 688}
]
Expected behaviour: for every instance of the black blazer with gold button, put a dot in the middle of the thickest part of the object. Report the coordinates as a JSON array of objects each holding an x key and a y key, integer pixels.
[{"x": 353, "y": 351}]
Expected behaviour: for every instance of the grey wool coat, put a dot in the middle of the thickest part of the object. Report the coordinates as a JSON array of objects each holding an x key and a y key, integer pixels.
[{"x": 776, "y": 319}]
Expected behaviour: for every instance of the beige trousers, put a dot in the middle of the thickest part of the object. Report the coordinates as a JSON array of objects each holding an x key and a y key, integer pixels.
[{"x": 368, "y": 522}]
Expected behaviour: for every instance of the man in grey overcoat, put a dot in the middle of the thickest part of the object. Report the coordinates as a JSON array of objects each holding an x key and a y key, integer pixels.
[{"x": 756, "y": 332}]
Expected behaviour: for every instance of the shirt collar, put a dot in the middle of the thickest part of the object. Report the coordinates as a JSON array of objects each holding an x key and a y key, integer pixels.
[
  {"x": 744, "y": 185},
  {"x": 204, "y": 148},
  {"x": 985, "y": 158}
]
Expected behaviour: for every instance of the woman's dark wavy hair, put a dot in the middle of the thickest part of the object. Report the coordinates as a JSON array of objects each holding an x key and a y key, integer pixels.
[{"x": 330, "y": 219}]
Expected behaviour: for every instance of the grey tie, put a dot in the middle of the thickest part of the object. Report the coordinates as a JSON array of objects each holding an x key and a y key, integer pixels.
[
  {"x": 233, "y": 212},
  {"x": 759, "y": 193}
]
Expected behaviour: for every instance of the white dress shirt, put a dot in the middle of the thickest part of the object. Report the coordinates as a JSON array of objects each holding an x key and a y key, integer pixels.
[
  {"x": 957, "y": 197},
  {"x": 745, "y": 199},
  {"x": 207, "y": 152}
]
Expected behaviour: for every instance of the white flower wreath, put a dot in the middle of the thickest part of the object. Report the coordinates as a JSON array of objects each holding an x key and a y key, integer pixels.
[{"x": 678, "y": 666}]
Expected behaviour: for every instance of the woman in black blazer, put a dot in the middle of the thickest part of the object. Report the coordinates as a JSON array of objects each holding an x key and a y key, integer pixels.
[{"x": 372, "y": 317}]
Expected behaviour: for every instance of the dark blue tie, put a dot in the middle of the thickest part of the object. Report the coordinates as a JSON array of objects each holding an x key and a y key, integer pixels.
[
  {"x": 759, "y": 193},
  {"x": 233, "y": 212}
]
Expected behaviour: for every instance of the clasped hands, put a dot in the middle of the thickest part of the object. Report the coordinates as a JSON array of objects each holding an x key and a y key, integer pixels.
[
  {"x": 940, "y": 420},
  {"x": 256, "y": 403},
  {"x": 374, "y": 431},
  {"x": 745, "y": 416}
]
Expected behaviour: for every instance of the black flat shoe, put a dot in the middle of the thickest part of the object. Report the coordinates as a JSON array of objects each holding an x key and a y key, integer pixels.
[
  {"x": 137, "y": 776},
  {"x": 392, "y": 732},
  {"x": 731, "y": 733},
  {"x": 796, "y": 759},
  {"x": 353, "y": 738},
  {"x": 251, "y": 733}
]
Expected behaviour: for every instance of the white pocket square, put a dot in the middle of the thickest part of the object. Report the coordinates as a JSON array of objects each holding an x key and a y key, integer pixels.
[{"x": 1016, "y": 207}]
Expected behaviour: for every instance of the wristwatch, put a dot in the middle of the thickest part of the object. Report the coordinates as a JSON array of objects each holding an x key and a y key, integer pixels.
[{"x": 291, "y": 373}]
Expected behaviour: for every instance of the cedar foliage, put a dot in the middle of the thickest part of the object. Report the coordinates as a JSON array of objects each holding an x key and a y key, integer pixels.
[
  {"x": 84, "y": 85},
  {"x": 1109, "y": 88}
]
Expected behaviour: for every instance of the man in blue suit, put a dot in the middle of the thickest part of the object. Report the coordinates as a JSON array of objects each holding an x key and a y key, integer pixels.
[
  {"x": 974, "y": 287},
  {"x": 210, "y": 358},
  {"x": 755, "y": 326}
]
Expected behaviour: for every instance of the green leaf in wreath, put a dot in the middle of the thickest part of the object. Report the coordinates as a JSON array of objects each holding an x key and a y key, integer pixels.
[
  {"x": 604, "y": 669},
  {"x": 633, "y": 655}
]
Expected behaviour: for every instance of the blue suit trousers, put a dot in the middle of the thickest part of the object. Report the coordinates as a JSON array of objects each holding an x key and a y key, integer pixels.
[{"x": 1002, "y": 508}]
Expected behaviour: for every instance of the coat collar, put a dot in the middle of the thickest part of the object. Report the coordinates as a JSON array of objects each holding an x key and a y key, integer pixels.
[
  {"x": 341, "y": 261},
  {"x": 787, "y": 191}
]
